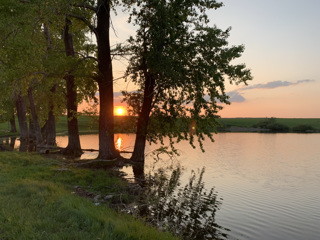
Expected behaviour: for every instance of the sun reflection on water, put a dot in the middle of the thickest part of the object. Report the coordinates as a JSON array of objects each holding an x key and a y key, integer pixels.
[{"x": 119, "y": 143}]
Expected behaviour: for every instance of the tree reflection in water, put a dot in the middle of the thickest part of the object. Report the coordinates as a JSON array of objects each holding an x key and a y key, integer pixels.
[{"x": 188, "y": 211}]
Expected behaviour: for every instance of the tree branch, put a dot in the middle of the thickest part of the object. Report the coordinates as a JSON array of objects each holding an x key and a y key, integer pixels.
[
  {"x": 85, "y": 21},
  {"x": 79, "y": 62},
  {"x": 87, "y": 6}
]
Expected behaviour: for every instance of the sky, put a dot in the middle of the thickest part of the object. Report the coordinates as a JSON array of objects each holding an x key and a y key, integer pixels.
[{"x": 282, "y": 49}]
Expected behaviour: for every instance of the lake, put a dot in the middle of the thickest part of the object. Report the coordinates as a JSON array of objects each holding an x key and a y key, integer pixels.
[{"x": 269, "y": 183}]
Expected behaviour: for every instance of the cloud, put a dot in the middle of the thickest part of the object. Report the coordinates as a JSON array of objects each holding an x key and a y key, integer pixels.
[
  {"x": 276, "y": 84},
  {"x": 235, "y": 96},
  {"x": 117, "y": 97}
]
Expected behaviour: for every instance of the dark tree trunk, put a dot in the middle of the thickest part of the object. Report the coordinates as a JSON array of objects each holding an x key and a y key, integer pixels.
[
  {"x": 32, "y": 136},
  {"x": 44, "y": 132},
  {"x": 143, "y": 120},
  {"x": 51, "y": 123},
  {"x": 12, "y": 143},
  {"x": 106, "y": 125},
  {"x": 138, "y": 173},
  {"x": 105, "y": 81},
  {"x": 13, "y": 127},
  {"x": 36, "y": 124},
  {"x": 50, "y": 128},
  {"x": 74, "y": 147},
  {"x": 22, "y": 118},
  {"x": 23, "y": 146}
]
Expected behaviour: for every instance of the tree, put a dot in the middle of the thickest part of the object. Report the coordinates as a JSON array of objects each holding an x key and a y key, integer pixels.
[
  {"x": 271, "y": 125},
  {"x": 22, "y": 40},
  {"x": 35, "y": 120},
  {"x": 104, "y": 77},
  {"x": 39, "y": 39},
  {"x": 74, "y": 147},
  {"x": 180, "y": 63},
  {"x": 22, "y": 119}
]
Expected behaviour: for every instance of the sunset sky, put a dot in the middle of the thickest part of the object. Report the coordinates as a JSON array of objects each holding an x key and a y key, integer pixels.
[{"x": 282, "y": 40}]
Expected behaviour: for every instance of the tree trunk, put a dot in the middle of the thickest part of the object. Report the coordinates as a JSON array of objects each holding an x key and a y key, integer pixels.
[
  {"x": 13, "y": 127},
  {"x": 74, "y": 147},
  {"x": 143, "y": 120},
  {"x": 32, "y": 135},
  {"x": 22, "y": 118},
  {"x": 36, "y": 124},
  {"x": 105, "y": 81},
  {"x": 50, "y": 128},
  {"x": 51, "y": 123},
  {"x": 12, "y": 143},
  {"x": 106, "y": 125}
]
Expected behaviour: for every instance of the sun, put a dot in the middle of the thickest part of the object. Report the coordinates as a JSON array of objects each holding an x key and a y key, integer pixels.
[{"x": 120, "y": 111}]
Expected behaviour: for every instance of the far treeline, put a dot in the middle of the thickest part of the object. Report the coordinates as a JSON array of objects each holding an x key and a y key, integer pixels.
[
  {"x": 299, "y": 125},
  {"x": 127, "y": 124},
  {"x": 55, "y": 54}
]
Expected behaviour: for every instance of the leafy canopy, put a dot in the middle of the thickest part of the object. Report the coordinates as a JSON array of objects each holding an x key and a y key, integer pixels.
[{"x": 189, "y": 61}]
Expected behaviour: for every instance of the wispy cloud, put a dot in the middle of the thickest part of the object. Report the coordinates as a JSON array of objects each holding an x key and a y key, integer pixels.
[
  {"x": 276, "y": 84},
  {"x": 237, "y": 95}
]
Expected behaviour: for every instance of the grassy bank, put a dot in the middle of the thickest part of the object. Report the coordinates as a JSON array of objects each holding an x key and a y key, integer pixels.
[{"x": 37, "y": 201}]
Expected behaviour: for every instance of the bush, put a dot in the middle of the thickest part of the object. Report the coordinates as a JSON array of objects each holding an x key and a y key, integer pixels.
[
  {"x": 303, "y": 129},
  {"x": 272, "y": 125}
]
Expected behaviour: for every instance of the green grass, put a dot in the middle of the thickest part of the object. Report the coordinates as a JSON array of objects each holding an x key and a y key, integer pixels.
[
  {"x": 127, "y": 124},
  {"x": 290, "y": 122},
  {"x": 85, "y": 123},
  {"x": 36, "y": 202},
  {"x": 5, "y": 130}
]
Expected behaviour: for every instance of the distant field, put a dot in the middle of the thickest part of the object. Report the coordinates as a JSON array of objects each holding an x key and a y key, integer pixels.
[
  {"x": 126, "y": 124},
  {"x": 290, "y": 122},
  {"x": 86, "y": 125}
]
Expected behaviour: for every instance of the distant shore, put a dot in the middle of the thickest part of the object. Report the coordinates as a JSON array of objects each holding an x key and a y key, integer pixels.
[{"x": 126, "y": 124}]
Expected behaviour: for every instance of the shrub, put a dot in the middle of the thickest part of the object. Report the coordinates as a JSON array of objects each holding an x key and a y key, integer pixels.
[
  {"x": 303, "y": 129},
  {"x": 272, "y": 125}
]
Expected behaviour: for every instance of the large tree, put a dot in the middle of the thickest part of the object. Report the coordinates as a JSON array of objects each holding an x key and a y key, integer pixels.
[
  {"x": 74, "y": 147},
  {"x": 180, "y": 64},
  {"x": 104, "y": 77}
]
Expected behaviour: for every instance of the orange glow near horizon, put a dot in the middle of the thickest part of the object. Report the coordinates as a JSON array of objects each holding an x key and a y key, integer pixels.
[{"x": 120, "y": 111}]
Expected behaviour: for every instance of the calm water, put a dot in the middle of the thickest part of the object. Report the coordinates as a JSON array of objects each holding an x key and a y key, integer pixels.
[{"x": 269, "y": 183}]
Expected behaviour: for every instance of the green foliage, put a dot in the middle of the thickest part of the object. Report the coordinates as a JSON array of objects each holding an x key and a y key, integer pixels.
[
  {"x": 250, "y": 122},
  {"x": 189, "y": 62},
  {"x": 32, "y": 54},
  {"x": 303, "y": 129},
  {"x": 36, "y": 202},
  {"x": 272, "y": 125}
]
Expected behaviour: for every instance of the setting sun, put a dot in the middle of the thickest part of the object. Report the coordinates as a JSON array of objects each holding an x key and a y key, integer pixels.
[{"x": 120, "y": 111}]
